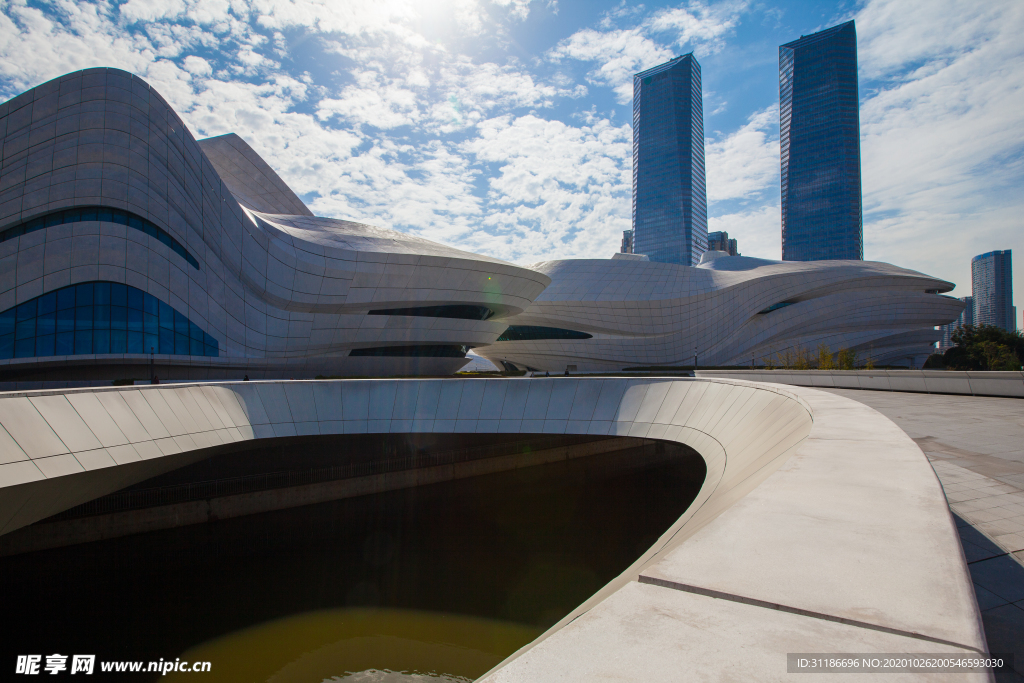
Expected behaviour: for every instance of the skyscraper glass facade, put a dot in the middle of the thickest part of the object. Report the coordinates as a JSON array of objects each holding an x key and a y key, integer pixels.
[
  {"x": 966, "y": 318},
  {"x": 670, "y": 205},
  {"x": 820, "y": 141},
  {"x": 992, "y": 283}
]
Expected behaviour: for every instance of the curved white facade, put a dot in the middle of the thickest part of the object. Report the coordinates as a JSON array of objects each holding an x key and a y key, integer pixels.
[
  {"x": 729, "y": 310},
  {"x": 128, "y": 248},
  {"x": 104, "y": 185}
]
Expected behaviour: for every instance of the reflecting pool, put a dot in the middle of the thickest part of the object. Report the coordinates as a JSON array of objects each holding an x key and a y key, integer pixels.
[{"x": 439, "y": 582}]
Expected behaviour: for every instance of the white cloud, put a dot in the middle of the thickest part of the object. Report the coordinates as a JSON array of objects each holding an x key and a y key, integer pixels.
[
  {"x": 151, "y": 10},
  {"x": 372, "y": 101},
  {"x": 620, "y": 53},
  {"x": 520, "y": 9},
  {"x": 469, "y": 91},
  {"x": 758, "y": 231},
  {"x": 197, "y": 66},
  {"x": 371, "y": 21},
  {"x": 702, "y": 26},
  {"x": 942, "y": 144},
  {"x": 452, "y": 93},
  {"x": 34, "y": 47},
  {"x": 560, "y": 191},
  {"x": 745, "y": 164},
  {"x": 359, "y": 19},
  {"x": 428, "y": 189},
  {"x": 898, "y": 38},
  {"x": 38, "y": 44}
]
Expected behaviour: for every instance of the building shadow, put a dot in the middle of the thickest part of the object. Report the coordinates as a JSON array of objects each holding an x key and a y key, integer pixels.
[{"x": 998, "y": 579}]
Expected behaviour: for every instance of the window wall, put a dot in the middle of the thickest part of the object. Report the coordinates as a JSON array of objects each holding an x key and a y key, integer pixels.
[{"x": 99, "y": 318}]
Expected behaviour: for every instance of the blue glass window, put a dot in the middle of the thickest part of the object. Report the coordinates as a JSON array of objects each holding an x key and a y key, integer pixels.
[
  {"x": 44, "y": 345},
  {"x": 101, "y": 213},
  {"x": 65, "y": 344},
  {"x": 99, "y": 317}
]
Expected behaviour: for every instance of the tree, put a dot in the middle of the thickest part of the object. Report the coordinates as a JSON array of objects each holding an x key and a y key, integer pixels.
[
  {"x": 985, "y": 347},
  {"x": 825, "y": 358},
  {"x": 847, "y": 359}
]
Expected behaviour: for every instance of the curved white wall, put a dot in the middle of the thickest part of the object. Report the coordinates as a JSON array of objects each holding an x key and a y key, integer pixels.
[
  {"x": 820, "y": 526},
  {"x": 64, "y": 447},
  {"x": 284, "y": 295},
  {"x": 727, "y": 311}
]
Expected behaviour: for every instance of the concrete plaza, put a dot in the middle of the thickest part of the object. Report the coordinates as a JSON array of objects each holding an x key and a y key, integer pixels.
[{"x": 976, "y": 446}]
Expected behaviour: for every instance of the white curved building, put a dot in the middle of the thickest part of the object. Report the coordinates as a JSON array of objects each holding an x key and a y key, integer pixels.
[
  {"x": 128, "y": 248},
  {"x": 609, "y": 315}
]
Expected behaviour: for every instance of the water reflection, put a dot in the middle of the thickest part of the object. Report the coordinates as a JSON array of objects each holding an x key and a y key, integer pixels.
[
  {"x": 439, "y": 580},
  {"x": 362, "y": 646}
]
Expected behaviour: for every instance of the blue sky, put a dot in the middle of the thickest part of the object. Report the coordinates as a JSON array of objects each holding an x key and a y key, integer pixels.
[{"x": 504, "y": 126}]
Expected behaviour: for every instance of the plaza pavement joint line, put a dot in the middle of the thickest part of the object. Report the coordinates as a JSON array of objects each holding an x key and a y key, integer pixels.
[{"x": 706, "y": 592}]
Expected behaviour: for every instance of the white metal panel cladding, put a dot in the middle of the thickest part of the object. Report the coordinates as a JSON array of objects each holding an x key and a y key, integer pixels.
[
  {"x": 726, "y": 311},
  {"x": 280, "y": 293}
]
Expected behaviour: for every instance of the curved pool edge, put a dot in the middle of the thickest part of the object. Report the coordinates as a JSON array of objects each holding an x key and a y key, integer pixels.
[
  {"x": 841, "y": 544},
  {"x": 818, "y": 515}
]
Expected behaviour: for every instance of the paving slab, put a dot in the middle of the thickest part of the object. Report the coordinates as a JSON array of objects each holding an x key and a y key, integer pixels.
[
  {"x": 652, "y": 633},
  {"x": 976, "y": 447}
]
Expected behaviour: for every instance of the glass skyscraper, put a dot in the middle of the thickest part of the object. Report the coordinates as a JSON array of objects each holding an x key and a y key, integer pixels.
[
  {"x": 966, "y": 318},
  {"x": 992, "y": 284},
  {"x": 820, "y": 122},
  {"x": 670, "y": 203}
]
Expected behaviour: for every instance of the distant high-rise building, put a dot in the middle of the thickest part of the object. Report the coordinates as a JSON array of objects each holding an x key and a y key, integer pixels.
[
  {"x": 719, "y": 241},
  {"x": 820, "y": 141},
  {"x": 992, "y": 282},
  {"x": 670, "y": 204},
  {"x": 966, "y": 318},
  {"x": 627, "y": 242}
]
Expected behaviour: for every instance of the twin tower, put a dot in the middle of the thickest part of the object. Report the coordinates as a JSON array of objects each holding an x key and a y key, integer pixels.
[{"x": 820, "y": 145}]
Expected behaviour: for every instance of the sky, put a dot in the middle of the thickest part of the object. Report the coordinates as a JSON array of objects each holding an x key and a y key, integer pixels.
[{"x": 503, "y": 127}]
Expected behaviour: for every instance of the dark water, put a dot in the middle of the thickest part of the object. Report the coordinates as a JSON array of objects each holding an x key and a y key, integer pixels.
[{"x": 444, "y": 579}]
